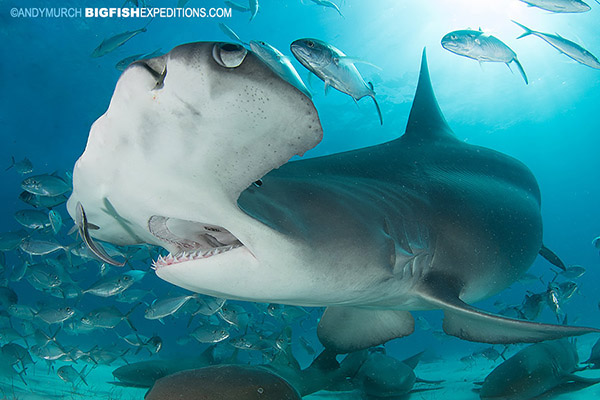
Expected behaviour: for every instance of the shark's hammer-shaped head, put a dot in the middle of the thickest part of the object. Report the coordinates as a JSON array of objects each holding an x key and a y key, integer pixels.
[{"x": 184, "y": 135}]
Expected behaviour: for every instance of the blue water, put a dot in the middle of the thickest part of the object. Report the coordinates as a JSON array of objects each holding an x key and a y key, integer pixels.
[{"x": 53, "y": 90}]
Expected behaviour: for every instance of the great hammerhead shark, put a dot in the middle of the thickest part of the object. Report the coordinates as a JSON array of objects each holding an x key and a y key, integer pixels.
[{"x": 192, "y": 155}]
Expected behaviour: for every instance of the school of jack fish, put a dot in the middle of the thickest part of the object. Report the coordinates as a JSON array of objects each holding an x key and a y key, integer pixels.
[{"x": 246, "y": 340}]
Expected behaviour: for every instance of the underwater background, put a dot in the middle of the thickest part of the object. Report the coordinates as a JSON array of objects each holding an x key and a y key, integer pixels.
[{"x": 53, "y": 90}]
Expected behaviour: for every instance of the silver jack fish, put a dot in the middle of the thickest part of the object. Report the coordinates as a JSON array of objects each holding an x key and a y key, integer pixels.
[
  {"x": 481, "y": 47},
  {"x": 279, "y": 63},
  {"x": 559, "y": 6},
  {"x": 568, "y": 48},
  {"x": 114, "y": 42},
  {"x": 334, "y": 68}
]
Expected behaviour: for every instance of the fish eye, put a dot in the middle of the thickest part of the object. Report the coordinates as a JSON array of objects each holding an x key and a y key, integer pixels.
[
  {"x": 453, "y": 37},
  {"x": 68, "y": 309},
  {"x": 310, "y": 44},
  {"x": 229, "y": 55}
]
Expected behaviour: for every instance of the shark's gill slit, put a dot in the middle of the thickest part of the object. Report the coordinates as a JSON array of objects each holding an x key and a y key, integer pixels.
[{"x": 194, "y": 240}]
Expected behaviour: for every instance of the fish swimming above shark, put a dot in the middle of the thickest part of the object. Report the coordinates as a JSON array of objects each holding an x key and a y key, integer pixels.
[
  {"x": 422, "y": 222},
  {"x": 334, "y": 68},
  {"x": 330, "y": 4},
  {"x": 482, "y": 47},
  {"x": 559, "y": 6},
  {"x": 565, "y": 46},
  {"x": 110, "y": 44}
]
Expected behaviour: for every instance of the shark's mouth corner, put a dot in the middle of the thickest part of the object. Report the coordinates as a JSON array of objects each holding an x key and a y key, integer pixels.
[{"x": 189, "y": 240}]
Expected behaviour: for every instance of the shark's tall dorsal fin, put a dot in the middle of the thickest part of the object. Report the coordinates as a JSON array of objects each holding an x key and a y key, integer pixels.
[{"x": 426, "y": 122}]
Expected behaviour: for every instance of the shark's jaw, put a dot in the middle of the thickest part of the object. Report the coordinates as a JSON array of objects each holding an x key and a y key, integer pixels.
[
  {"x": 250, "y": 261},
  {"x": 192, "y": 240}
]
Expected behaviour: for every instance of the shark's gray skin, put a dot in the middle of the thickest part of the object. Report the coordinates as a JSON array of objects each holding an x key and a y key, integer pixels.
[
  {"x": 533, "y": 371},
  {"x": 380, "y": 376},
  {"x": 372, "y": 373},
  {"x": 422, "y": 222},
  {"x": 594, "y": 359},
  {"x": 143, "y": 374},
  {"x": 324, "y": 373},
  {"x": 223, "y": 382}
]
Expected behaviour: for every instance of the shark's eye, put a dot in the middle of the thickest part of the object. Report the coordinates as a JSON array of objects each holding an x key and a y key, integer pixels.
[{"x": 229, "y": 55}]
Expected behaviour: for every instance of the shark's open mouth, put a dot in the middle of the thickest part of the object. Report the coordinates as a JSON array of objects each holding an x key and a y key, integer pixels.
[{"x": 189, "y": 240}]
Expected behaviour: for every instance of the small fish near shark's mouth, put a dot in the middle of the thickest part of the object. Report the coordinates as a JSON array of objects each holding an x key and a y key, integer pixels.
[{"x": 189, "y": 240}]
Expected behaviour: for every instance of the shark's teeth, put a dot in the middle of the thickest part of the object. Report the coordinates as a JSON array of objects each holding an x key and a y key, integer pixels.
[{"x": 171, "y": 259}]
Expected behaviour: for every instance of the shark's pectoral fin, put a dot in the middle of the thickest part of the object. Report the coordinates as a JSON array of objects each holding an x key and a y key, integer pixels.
[
  {"x": 349, "y": 329},
  {"x": 469, "y": 323}
]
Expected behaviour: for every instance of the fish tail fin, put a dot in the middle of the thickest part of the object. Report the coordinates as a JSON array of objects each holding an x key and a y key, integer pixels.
[
  {"x": 327, "y": 86},
  {"x": 122, "y": 356},
  {"x": 53, "y": 337},
  {"x": 128, "y": 320},
  {"x": 190, "y": 320},
  {"x": 372, "y": 95},
  {"x": 521, "y": 70},
  {"x": 82, "y": 375},
  {"x": 145, "y": 28},
  {"x": 527, "y": 30},
  {"x": 92, "y": 358},
  {"x": 12, "y": 163},
  {"x": 21, "y": 373},
  {"x": 67, "y": 249}
]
